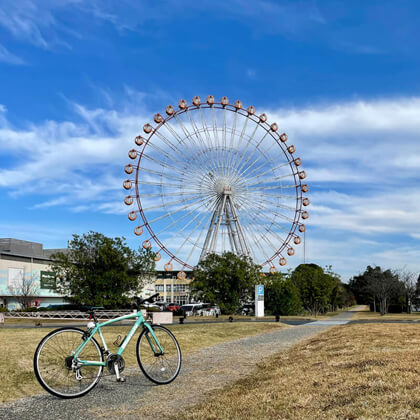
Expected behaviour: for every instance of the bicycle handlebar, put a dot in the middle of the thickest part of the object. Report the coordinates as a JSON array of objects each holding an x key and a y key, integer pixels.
[{"x": 150, "y": 299}]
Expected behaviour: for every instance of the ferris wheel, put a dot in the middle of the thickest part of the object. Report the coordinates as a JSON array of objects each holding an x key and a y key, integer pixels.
[{"x": 211, "y": 177}]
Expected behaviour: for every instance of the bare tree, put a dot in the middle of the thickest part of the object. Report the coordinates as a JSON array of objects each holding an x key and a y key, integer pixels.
[
  {"x": 382, "y": 285},
  {"x": 24, "y": 290},
  {"x": 408, "y": 279}
]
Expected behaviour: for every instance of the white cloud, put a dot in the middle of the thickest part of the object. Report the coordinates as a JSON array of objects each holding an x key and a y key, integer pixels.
[
  {"x": 375, "y": 141},
  {"x": 7, "y": 57},
  {"x": 363, "y": 177}
]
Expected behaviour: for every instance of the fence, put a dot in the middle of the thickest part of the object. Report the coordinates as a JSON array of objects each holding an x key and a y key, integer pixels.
[{"x": 101, "y": 314}]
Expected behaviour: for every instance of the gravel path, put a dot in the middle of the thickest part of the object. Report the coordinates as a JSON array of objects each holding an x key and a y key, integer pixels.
[{"x": 202, "y": 372}]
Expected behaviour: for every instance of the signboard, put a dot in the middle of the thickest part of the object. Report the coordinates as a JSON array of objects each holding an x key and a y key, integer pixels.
[
  {"x": 259, "y": 300},
  {"x": 260, "y": 292},
  {"x": 48, "y": 280}
]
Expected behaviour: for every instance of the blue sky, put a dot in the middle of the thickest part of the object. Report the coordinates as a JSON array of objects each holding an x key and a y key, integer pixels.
[{"x": 79, "y": 79}]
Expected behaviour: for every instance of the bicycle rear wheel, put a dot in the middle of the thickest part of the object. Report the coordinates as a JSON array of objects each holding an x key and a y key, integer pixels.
[
  {"x": 160, "y": 368},
  {"x": 53, "y": 363}
]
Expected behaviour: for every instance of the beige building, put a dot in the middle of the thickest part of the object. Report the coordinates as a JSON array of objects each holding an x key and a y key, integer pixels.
[
  {"x": 170, "y": 288},
  {"x": 29, "y": 261}
]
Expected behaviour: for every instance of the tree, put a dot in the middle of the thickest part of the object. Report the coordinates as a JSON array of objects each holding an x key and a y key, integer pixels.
[
  {"x": 382, "y": 285},
  {"x": 407, "y": 278},
  {"x": 341, "y": 295},
  {"x": 101, "y": 271},
  {"x": 315, "y": 287},
  {"x": 281, "y": 296},
  {"x": 24, "y": 289},
  {"x": 358, "y": 285},
  {"x": 227, "y": 280}
]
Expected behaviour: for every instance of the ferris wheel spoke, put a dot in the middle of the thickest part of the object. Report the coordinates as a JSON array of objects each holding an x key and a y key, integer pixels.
[
  {"x": 196, "y": 131},
  {"x": 161, "y": 174},
  {"x": 254, "y": 162},
  {"x": 160, "y": 163},
  {"x": 244, "y": 162},
  {"x": 259, "y": 217},
  {"x": 274, "y": 187},
  {"x": 205, "y": 128},
  {"x": 190, "y": 222},
  {"x": 265, "y": 154},
  {"x": 171, "y": 213},
  {"x": 238, "y": 148},
  {"x": 278, "y": 205},
  {"x": 257, "y": 242},
  {"x": 171, "y": 203},
  {"x": 215, "y": 132},
  {"x": 163, "y": 152},
  {"x": 182, "y": 141},
  {"x": 188, "y": 237},
  {"x": 232, "y": 131},
  {"x": 176, "y": 221},
  {"x": 259, "y": 208},
  {"x": 261, "y": 236},
  {"x": 188, "y": 135},
  {"x": 271, "y": 170},
  {"x": 203, "y": 222},
  {"x": 271, "y": 180},
  {"x": 169, "y": 143},
  {"x": 159, "y": 194},
  {"x": 237, "y": 162},
  {"x": 157, "y": 183}
]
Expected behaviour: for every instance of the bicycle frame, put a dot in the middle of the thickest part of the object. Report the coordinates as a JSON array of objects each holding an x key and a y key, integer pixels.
[{"x": 140, "y": 321}]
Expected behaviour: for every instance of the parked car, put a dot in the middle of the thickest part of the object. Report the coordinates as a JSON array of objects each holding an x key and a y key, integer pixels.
[
  {"x": 247, "y": 309},
  {"x": 216, "y": 309},
  {"x": 206, "y": 310},
  {"x": 163, "y": 306},
  {"x": 173, "y": 307},
  {"x": 191, "y": 309}
]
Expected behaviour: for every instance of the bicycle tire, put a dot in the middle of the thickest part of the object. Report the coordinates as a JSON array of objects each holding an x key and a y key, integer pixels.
[
  {"x": 159, "y": 368},
  {"x": 52, "y": 370}
]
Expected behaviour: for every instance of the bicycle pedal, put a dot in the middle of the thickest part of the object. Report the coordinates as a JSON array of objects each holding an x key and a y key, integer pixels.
[{"x": 121, "y": 379}]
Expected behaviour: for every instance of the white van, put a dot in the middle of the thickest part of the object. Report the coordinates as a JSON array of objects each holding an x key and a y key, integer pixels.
[{"x": 191, "y": 309}]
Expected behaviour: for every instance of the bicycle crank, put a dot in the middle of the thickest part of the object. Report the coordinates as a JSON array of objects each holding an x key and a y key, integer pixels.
[{"x": 115, "y": 364}]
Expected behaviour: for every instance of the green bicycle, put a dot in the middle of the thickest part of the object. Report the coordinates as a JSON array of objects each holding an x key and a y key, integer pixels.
[{"x": 69, "y": 362}]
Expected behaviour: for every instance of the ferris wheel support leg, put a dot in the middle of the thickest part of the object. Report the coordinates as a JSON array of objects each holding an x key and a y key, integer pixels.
[
  {"x": 205, "y": 250},
  {"x": 231, "y": 232},
  {"x": 244, "y": 245},
  {"x": 216, "y": 230}
]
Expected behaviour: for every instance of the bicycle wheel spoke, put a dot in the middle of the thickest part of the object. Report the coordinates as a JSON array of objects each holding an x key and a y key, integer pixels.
[
  {"x": 55, "y": 372},
  {"x": 159, "y": 368}
]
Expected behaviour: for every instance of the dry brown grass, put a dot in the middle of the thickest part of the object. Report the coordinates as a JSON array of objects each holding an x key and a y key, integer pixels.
[
  {"x": 415, "y": 316},
  {"x": 17, "y": 347},
  {"x": 364, "y": 371}
]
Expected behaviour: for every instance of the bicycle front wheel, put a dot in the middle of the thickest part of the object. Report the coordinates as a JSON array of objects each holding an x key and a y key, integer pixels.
[
  {"x": 160, "y": 368},
  {"x": 53, "y": 363}
]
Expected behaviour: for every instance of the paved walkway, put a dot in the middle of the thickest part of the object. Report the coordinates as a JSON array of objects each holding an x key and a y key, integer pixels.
[{"x": 207, "y": 370}]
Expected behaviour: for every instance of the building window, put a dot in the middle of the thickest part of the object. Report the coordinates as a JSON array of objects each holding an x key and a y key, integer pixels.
[
  {"x": 15, "y": 277},
  {"x": 181, "y": 300},
  {"x": 159, "y": 288}
]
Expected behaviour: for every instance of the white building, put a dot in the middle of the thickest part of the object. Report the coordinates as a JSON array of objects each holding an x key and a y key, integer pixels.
[{"x": 26, "y": 260}]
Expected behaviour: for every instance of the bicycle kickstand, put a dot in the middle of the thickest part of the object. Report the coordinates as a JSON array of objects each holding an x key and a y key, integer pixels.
[{"x": 117, "y": 374}]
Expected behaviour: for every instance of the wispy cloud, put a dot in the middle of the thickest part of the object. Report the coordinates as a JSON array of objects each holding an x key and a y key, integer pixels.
[{"x": 9, "y": 58}]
